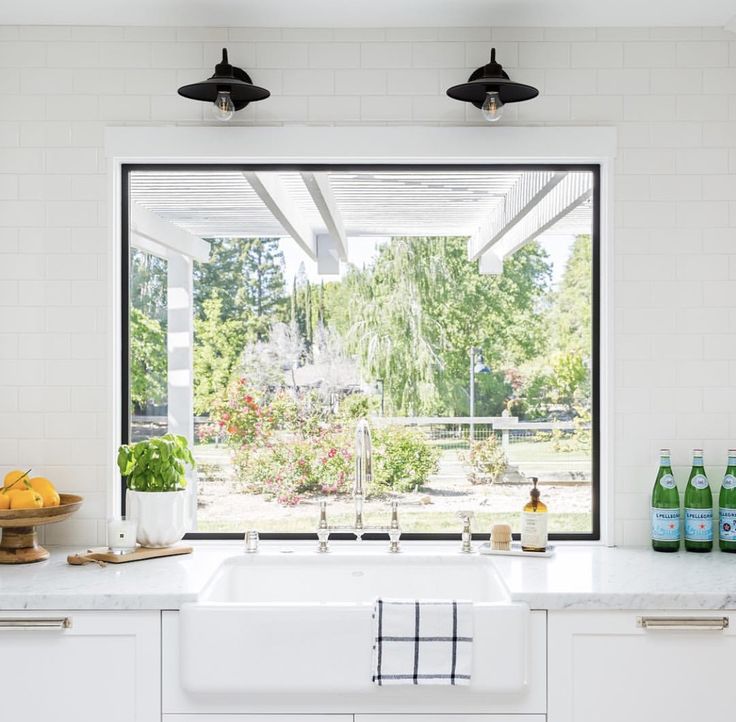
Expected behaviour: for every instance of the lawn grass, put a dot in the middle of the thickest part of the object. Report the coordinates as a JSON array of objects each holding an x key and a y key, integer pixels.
[{"x": 416, "y": 522}]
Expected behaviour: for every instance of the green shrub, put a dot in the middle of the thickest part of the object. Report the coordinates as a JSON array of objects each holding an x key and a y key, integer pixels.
[
  {"x": 487, "y": 460},
  {"x": 403, "y": 459},
  {"x": 358, "y": 406}
]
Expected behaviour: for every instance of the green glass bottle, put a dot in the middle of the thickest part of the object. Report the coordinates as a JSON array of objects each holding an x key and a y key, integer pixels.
[
  {"x": 665, "y": 512},
  {"x": 698, "y": 508},
  {"x": 727, "y": 506}
]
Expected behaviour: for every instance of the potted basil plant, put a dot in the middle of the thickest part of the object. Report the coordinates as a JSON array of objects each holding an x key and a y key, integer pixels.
[{"x": 156, "y": 497}]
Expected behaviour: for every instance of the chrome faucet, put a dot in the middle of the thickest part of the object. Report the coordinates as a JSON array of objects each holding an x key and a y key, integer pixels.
[
  {"x": 363, "y": 469},
  {"x": 363, "y": 477}
]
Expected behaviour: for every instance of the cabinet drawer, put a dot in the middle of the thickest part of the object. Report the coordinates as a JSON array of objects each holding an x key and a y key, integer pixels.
[
  {"x": 613, "y": 666},
  {"x": 80, "y": 666}
]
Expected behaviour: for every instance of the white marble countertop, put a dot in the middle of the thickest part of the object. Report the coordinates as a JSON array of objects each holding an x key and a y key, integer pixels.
[{"x": 577, "y": 577}]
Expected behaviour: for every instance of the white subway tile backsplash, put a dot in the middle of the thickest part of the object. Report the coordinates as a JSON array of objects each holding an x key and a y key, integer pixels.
[
  {"x": 670, "y": 92},
  {"x": 386, "y": 55},
  {"x": 644, "y": 54},
  {"x": 597, "y": 55},
  {"x": 334, "y": 55},
  {"x": 702, "y": 54}
]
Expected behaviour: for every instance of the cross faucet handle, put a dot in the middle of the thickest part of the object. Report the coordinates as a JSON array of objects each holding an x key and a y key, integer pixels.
[
  {"x": 394, "y": 532},
  {"x": 467, "y": 534}
]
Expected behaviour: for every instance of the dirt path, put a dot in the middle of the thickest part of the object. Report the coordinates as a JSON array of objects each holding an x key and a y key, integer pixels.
[{"x": 222, "y": 505}]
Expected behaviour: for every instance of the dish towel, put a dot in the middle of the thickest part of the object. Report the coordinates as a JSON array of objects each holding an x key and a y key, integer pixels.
[{"x": 422, "y": 642}]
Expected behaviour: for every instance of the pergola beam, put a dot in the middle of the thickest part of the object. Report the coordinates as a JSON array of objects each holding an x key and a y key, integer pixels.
[
  {"x": 523, "y": 197},
  {"x": 490, "y": 264},
  {"x": 275, "y": 197},
  {"x": 572, "y": 191},
  {"x": 150, "y": 232},
  {"x": 318, "y": 185}
]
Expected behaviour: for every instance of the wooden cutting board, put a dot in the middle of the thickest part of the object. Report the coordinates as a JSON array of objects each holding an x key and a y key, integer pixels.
[{"x": 103, "y": 554}]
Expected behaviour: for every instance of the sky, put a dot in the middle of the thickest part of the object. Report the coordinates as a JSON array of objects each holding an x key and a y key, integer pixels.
[{"x": 362, "y": 250}]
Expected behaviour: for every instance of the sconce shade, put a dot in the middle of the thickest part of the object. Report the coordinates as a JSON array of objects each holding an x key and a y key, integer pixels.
[{"x": 226, "y": 78}]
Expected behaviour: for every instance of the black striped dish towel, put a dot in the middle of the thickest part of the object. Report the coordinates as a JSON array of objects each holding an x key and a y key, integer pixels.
[{"x": 422, "y": 642}]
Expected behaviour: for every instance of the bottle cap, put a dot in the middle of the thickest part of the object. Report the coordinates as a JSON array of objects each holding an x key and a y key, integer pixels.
[{"x": 534, "y": 492}]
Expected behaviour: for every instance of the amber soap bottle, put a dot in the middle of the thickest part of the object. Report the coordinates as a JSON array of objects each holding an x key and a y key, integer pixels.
[{"x": 534, "y": 522}]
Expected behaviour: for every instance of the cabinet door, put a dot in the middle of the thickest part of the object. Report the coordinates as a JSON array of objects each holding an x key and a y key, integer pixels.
[
  {"x": 449, "y": 718},
  {"x": 258, "y": 718},
  {"x": 80, "y": 666},
  {"x": 614, "y": 666}
]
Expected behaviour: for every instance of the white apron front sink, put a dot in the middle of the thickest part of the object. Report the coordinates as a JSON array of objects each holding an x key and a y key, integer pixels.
[{"x": 301, "y": 622}]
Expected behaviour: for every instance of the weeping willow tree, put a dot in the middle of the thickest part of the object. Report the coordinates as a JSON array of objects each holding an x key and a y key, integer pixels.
[
  {"x": 416, "y": 312},
  {"x": 394, "y": 333}
]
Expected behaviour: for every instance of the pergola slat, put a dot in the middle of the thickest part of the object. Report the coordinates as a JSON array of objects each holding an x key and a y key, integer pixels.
[
  {"x": 147, "y": 225},
  {"x": 318, "y": 185},
  {"x": 276, "y": 198},
  {"x": 528, "y": 191},
  {"x": 571, "y": 192}
]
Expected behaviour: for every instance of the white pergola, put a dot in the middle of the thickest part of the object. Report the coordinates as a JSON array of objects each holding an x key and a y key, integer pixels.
[{"x": 173, "y": 211}]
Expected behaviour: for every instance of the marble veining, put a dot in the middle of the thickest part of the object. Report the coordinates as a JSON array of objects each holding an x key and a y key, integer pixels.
[{"x": 577, "y": 577}]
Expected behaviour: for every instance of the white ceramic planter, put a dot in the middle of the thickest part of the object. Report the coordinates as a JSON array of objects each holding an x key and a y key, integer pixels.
[{"x": 162, "y": 516}]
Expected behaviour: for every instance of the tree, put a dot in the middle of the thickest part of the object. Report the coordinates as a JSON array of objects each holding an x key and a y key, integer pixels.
[
  {"x": 148, "y": 360},
  {"x": 572, "y": 304},
  {"x": 218, "y": 344},
  {"x": 148, "y": 285},
  {"x": 571, "y": 322},
  {"x": 414, "y": 315},
  {"x": 249, "y": 274}
]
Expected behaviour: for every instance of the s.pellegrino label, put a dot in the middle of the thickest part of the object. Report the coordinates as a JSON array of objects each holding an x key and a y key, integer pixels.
[
  {"x": 665, "y": 509},
  {"x": 727, "y": 506},
  {"x": 698, "y": 525},
  {"x": 698, "y": 508}
]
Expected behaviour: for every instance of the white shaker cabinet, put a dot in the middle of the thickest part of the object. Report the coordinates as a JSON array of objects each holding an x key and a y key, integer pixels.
[
  {"x": 639, "y": 666},
  {"x": 73, "y": 666},
  {"x": 449, "y": 718}
]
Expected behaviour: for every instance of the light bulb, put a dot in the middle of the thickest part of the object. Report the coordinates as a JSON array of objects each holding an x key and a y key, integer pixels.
[
  {"x": 224, "y": 107},
  {"x": 492, "y": 107}
]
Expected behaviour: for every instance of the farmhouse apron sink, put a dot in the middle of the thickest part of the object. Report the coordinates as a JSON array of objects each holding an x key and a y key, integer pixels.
[{"x": 301, "y": 622}]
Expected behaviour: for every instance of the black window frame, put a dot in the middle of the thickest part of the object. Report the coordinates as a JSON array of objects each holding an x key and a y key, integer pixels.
[{"x": 593, "y": 168}]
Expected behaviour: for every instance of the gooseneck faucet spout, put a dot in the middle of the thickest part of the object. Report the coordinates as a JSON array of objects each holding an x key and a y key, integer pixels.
[
  {"x": 361, "y": 483},
  {"x": 363, "y": 469}
]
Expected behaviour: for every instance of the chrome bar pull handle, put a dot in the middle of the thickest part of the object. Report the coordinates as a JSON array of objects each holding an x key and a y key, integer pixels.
[
  {"x": 15, "y": 624},
  {"x": 716, "y": 624}
]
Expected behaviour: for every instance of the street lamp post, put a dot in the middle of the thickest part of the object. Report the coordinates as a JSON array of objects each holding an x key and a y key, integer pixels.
[
  {"x": 380, "y": 381},
  {"x": 477, "y": 365}
]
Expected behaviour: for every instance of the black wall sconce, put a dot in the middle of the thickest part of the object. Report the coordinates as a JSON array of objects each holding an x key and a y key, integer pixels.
[
  {"x": 230, "y": 89},
  {"x": 490, "y": 88}
]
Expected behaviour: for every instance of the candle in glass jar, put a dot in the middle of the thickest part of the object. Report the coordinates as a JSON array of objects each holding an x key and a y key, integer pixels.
[{"x": 121, "y": 535}]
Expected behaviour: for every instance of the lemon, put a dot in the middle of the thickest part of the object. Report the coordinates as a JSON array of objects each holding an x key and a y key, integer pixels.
[
  {"x": 27, "y": 499},
  {"x": 46, "y": 489},
  {"x": 4, "y": 501},
  {"x": 13, "y": 477}
]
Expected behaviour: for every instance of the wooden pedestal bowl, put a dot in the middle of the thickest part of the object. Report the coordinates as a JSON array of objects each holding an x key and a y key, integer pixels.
[{"x": 19, "y": 543}]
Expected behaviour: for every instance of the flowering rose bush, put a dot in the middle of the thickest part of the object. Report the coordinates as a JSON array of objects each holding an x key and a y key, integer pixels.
[
  {"x": 243, "y": 418},
  {"x": 288, "y": 448},
  {"x": 287, "y": 472},
  {"x": 208, "y": 433}
]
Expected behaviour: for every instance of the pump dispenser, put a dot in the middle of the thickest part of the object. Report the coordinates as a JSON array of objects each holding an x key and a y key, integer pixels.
[{"x": 534, "y": 522}]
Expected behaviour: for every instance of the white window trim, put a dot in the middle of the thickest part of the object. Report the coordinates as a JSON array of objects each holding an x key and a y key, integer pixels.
[{"x": 398, "y": 144}]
